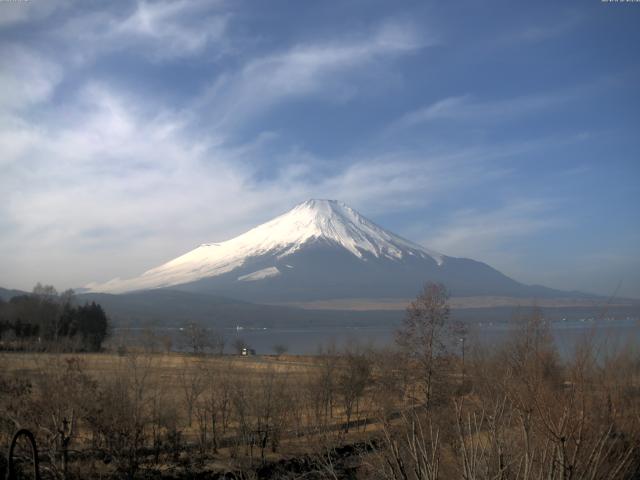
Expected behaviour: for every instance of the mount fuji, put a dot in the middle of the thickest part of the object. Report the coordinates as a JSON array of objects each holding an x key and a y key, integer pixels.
[{"x": 321, "y": 250}]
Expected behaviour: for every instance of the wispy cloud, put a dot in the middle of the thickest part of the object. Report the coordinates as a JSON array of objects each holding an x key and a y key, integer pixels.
[
  {"x": 180, "y": 27},
  {"x": 26, "y": 77},
  {"x": 15, "y": 13},
  {"x": 561, "y": 26},
  {"x": 319, "y": 68},
  {"x": 466, "y": 108},
  {"x": 399, "y": 180},
  {"x": 160, "y": 30},
  {"x": 484, "y": 234}
]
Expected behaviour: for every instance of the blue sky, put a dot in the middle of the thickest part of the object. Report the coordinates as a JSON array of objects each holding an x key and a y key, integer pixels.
[{"x": 130, "y": 132}]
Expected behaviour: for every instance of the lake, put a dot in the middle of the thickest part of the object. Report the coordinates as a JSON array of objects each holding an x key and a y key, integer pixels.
[{"x": 609, "y": 335}]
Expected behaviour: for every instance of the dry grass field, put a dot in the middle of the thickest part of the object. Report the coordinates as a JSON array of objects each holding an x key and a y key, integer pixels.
[
  {"x": 221, "y": 411},
  {"x": 515, "y": 412}
]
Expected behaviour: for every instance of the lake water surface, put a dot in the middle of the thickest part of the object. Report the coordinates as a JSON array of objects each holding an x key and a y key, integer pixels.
[{"x": 608, "y": 335}]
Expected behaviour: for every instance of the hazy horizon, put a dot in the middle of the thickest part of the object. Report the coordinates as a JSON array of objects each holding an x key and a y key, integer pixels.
[{"x": 130, "y": 133}]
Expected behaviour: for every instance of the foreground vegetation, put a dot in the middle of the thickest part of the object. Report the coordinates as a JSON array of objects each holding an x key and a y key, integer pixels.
[{"x": 414, "y": 412}]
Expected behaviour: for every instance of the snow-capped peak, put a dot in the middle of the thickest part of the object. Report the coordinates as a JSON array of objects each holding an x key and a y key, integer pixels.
[
  {"x": 335, "y": 221},
  {"x": 329, "y": 220}
]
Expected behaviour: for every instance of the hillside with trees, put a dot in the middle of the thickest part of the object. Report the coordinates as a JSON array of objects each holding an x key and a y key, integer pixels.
[{"x": 46, "y": 319}]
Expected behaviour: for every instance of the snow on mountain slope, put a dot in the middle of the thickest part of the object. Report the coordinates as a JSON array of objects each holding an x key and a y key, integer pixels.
[
  {"x": 260, "y": 274},
  {"x": 327, "y": 220}
]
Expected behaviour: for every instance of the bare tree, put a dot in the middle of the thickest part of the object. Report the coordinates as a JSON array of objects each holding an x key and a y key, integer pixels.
[
  {"x": 322, "y": 386},
  {"x": 119, "y": 415},
  {"x": 167, "y": 343},
  {"x": 280, "y": 349},
  {"x": 392, "y": 380},
  {"x": 63, "y": 390},
  {"x": 217, "y": 342},
  {"x": 269, "y": 409},
  {"x": 426, "y": 333},
  {"x": 192, "y": 382},
  {"x": 353, "y": 378},
  {"x": 217, "y": 401},
  {"x": 195, "y": 338},
  {"x": 412, "y": 450},
  {"x": 163, "y": 416},
  {"x": 149, "y": 340}
]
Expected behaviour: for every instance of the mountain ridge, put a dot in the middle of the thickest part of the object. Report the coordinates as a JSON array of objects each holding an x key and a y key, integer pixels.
[
  {"x": 318, "y": 250},
  {"x": 312, "y": 220}
]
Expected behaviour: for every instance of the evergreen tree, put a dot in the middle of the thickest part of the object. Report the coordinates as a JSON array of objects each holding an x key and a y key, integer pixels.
[
  {"x": 51, "y": 316},
  {"x": 92, "y": 325}
]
